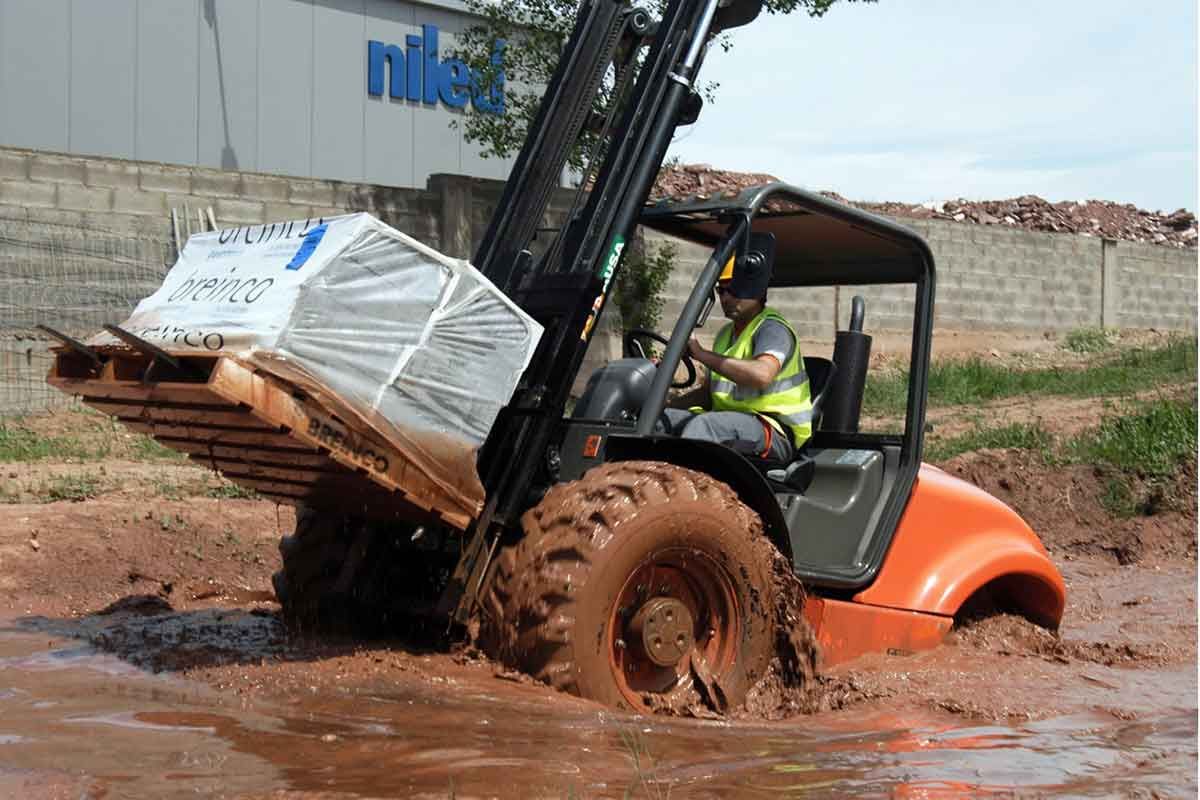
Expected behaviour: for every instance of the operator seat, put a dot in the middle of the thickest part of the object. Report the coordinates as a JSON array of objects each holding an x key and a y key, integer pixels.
[
  {"x": 820, "y": 372},
  {"x": 797, "y": 474}
]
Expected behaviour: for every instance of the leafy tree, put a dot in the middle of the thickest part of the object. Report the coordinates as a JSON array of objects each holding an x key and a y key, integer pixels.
[
  {"x": 541, "y": 27},
  {"x": 515, "y": 76},
  {"x": 640, "y": 283}
]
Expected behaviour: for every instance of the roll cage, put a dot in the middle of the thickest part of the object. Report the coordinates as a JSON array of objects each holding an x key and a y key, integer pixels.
[{"x": 819, "y": 242}]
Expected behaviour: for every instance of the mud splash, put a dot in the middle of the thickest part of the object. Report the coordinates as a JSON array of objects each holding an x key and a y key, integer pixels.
[
  {"x": 790, "y": 685},
  {"x": 1006, "y": 634}
]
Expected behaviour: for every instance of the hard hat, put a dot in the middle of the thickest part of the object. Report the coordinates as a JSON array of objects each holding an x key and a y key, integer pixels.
[
  {"x": 748, "y": 275},
  {"x": 727, "y": 273}
]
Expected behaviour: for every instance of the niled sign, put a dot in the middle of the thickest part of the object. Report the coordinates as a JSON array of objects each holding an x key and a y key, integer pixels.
[{"x": 417, "y": 74}]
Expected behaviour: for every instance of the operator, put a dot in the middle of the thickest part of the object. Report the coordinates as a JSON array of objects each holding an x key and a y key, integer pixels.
[{"x": 755, "y": 397}]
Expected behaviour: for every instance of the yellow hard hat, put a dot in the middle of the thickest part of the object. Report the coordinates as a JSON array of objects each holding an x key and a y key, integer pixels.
[{"x": 727, "y": 273}]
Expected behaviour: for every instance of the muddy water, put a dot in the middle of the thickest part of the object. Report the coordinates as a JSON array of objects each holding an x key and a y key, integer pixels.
[{"x": 77, "y": 722}]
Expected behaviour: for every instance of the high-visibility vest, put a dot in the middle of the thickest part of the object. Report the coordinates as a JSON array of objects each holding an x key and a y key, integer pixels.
[{"x": 787, "y": 401}]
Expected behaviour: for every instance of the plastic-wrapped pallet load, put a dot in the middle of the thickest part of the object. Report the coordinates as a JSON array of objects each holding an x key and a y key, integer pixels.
[{"x": 421, "y": 347}]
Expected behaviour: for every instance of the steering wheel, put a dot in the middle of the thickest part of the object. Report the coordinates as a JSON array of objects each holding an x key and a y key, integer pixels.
[{"x": 632, "y": 347}]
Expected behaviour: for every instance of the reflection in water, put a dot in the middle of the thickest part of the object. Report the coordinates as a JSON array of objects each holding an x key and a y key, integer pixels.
[{"x": 164, "y": 737}]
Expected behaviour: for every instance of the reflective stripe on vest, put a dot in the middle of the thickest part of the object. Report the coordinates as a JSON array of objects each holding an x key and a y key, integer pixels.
[{"x": 786, "y": 400}]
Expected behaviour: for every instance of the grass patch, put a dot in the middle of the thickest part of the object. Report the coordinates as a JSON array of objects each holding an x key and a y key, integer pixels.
[
  {"x": 87, "y": 437},
  {"x": 1017, "y": 436},
  {"x": 75, "y": 488},
  {"x": 144, "y": 448},
  {"x": 1151, "y": 441},
  {"x": 1139, "y": 452},
  {"x": 976, "y": 381},
  {"x": 1087, "y": 340},
  {"x": 1142, "y": 451},
  {"x": 168, "y": 489},
  {"x": 18, "y": 443},
  {"x": 1118, "y": 498},
  {"x": 231, "y": 491}
]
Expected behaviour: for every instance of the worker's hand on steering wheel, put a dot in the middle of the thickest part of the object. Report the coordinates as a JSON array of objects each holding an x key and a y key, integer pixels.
[
  {"x": 633, "y": 348},
  {"x": 695, "y": 349}
]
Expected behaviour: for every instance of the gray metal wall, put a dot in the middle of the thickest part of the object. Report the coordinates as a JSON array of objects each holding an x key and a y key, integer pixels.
[{"x": 277, "y": 86}]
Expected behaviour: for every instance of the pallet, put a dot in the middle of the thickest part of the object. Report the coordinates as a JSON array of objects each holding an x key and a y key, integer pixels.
[{"x": 263, "y": 432}]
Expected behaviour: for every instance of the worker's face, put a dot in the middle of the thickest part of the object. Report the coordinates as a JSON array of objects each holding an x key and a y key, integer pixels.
[{"x": 737, "y": 308}]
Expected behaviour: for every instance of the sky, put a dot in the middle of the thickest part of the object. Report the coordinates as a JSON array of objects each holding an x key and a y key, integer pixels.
[{"x": 930, "y": 100}]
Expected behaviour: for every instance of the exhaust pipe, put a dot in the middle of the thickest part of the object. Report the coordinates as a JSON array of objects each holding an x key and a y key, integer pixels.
[{"x": 852, "y": 355}]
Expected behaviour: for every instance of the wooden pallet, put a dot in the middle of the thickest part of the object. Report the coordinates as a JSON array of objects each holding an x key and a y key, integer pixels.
[{"x": 263, "y": 433}]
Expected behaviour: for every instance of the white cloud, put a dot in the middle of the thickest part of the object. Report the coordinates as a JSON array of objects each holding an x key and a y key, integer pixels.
[{"x": 931, "y": 99}]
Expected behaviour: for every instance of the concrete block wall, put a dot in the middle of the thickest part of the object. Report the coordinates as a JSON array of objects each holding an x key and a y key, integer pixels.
[
  {"x": 135, "y": 199},
  {"x": 1155, "y": 287},
  {"x": 991, "y": 278}
]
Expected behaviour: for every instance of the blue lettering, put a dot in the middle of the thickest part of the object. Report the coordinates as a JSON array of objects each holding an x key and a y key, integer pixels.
[
  {"x": 432, "y": 67},
  {"x": 379, "y": 54},
  {"x": 417, "y": 76},
  {"x": 414, "y": 76},
  {"x": 455, "y": 83}
]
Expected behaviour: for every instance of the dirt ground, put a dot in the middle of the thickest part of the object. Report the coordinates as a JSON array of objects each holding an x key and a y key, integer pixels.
[
  {"x": 165, "y": 568},
  {"x": 152, "y": 541}
]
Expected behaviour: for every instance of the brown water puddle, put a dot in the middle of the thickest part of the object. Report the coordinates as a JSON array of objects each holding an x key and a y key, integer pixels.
[{"x": 75, "y": 722}]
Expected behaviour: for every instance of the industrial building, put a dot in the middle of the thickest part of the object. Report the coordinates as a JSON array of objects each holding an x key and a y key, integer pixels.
[{"x": 351, "y": 90}]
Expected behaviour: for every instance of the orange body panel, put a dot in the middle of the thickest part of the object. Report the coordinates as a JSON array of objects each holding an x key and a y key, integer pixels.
[
  {"x": 955, "y": 538},
  {"x": 848, "y": 630}
]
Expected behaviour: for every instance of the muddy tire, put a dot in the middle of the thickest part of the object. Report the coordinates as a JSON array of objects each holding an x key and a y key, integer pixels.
[
  {"x": 313, "y": 559},
  {"x": 643, "y": 585}
]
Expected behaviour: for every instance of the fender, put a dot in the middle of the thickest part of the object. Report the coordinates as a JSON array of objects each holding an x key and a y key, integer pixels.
[
  {"x": 716, "y": 461},
  {"x": 953, "y": 540}
]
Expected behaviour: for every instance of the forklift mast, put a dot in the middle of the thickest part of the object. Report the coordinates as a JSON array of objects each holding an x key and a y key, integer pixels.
[{"x": 566, "y": 290}]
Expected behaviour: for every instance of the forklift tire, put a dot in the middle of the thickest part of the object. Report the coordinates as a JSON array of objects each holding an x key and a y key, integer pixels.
[
  {"x": 313, "y": 558},
  {"x": 642, "y": 585}
]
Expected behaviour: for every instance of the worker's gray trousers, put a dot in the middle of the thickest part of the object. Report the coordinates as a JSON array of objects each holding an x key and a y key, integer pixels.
[{"x": 742, "y": 432}]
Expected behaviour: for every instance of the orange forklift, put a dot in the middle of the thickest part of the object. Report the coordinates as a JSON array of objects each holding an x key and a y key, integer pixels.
[
  {"x": 627, "y": 566},
  {"x": 605, "y": 558}
]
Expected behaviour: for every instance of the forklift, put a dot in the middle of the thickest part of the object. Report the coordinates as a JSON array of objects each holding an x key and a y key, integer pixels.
[{"x": 628, "y": 566}]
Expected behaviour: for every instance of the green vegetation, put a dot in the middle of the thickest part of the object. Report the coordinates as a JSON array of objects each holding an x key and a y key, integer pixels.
[
  {"x": 1151, "y": 441},
  {"x": 975, "y": 381},
  {"x": 92, "y": 438},
  {"x": 1142, "y": 451},
  {"x": 168, "y": 489},
  {"x": 71, "y": 487},
  {"x": 1018, "y": 436},
  {"x": 1087, "y": 340},
  {"x": 1118, "y": 498},
  {"x": 1138, "y": 449},
  {"x": 18, "y": 443},
  {"x": 536, "y": 31},
  {"x": 143, "y": 448},
  {"x": 227, "y": 490},
  {"x": 639, "y": 288}
]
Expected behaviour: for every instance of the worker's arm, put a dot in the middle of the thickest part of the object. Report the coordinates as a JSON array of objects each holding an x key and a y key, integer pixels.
[{"x": 754, "y": 373}]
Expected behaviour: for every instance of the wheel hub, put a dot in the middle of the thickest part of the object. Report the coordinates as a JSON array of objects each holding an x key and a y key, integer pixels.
[{"x": 662, "y": 627}]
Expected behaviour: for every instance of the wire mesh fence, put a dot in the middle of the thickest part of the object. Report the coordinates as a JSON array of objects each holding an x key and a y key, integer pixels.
[{"x": 71, "y": 279}]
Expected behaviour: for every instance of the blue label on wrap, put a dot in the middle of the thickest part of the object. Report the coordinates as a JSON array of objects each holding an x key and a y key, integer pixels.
[{"x": 311, "y": 240}]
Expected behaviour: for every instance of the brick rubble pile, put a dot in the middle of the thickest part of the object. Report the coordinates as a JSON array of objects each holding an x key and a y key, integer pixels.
[{"x": 1100, "y": 218}]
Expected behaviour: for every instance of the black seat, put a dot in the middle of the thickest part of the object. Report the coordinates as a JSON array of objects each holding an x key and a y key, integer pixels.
[
  {"x": 798, "y": 473},
  {"x": 820, "y": 373}
]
